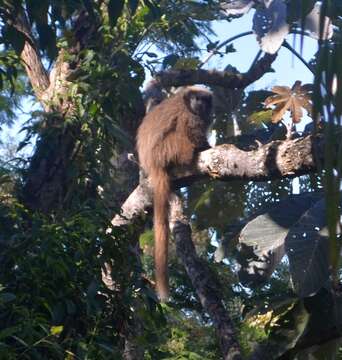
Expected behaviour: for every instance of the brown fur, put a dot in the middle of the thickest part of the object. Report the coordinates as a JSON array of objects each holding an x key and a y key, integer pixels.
[{"x": 169, "y": 136}]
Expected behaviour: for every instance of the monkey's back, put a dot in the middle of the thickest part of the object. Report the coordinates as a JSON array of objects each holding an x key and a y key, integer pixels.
[{"x": 162, "y": 137}]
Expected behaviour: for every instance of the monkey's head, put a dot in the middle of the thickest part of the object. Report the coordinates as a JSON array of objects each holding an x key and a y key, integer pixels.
[{"x": 199, "y": 101}]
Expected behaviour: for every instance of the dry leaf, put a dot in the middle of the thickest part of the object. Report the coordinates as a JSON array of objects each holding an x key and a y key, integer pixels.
[{"x": 290, "y": 99}]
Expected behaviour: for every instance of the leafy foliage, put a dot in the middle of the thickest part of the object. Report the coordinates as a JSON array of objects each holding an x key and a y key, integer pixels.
[
  {"x": 290, "y": 99},
  {"x": 53, "y": 302},
  {"x": 44, "y": 321}
]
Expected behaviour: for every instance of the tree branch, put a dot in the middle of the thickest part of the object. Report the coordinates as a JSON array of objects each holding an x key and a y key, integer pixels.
[
  {"x": 226, "y": 162},
  {"x": 30, "y": 56},
  {"x": 204, "y": 282},
  {"x": 226, "y": 79}
]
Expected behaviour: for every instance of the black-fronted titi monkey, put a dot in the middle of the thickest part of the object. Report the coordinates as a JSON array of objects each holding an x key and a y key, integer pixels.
[{"x": 169, "y": 136}]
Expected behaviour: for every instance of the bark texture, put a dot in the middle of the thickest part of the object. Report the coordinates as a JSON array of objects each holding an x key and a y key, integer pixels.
[
  {"x": 31, "y": 58},
  {"x": 204, "y": 282},
  {"x": 226, "y": 79}
]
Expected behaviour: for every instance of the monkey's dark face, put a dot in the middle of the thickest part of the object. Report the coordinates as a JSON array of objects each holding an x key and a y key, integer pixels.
[{"x": 199, "y": 102}]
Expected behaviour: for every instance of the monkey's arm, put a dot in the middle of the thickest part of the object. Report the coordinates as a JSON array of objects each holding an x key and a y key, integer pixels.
[
  {"x": 204, "y": 146},
  {"x": 167, "y": 127}
]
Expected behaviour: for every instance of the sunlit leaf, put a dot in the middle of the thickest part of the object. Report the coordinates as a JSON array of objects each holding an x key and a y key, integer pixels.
[
  {"x": 285, "y": 331},
  {"x": 56, "y": 330},
  {"x": 290, "y": 99}
]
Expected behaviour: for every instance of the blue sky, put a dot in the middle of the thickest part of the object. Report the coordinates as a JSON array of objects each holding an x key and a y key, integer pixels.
[{"x": 288, "y": 68}]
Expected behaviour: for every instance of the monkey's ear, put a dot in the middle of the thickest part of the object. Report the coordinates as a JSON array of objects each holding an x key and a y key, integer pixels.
[{"x": 187, "y": 97}]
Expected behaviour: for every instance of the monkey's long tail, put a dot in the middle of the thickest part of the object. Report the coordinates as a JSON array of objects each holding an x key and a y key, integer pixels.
[{"x": 161, "y": 187}]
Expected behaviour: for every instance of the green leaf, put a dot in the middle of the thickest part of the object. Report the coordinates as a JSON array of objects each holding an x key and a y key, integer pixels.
[
  {"x": 14, "y": 38},
  {"x": 8, "y": 332},
  {"x": 21, "y": 341},
  {"x": 230, "y": 49},
  {"x": 170, "y": 60},
  {"x": 187, "y": 64},
  {"x": 47, "y": 39},
  {"x": 286, "y": 331},
  {"x": 154, "y": 8},
  {"x": 307, "y": 247},
  {"x": 262, "y": 240},
  {"x": 115, "y": 8},
  {"x": 146, "y": 238},
  {"x": 56, "y": 330},
  {"x": 261, "y": 117}
]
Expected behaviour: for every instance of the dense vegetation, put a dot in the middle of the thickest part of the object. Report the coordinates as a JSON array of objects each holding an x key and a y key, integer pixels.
[{"x": 73, "y": 285}]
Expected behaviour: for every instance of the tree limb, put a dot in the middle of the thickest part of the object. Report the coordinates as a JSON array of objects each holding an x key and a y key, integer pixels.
[
  {"x": 226, "y": 162},
  {"x": 31, "y": 58},
  {"x": 204, "y": 282},
  {"x": 226, "y": 79}
]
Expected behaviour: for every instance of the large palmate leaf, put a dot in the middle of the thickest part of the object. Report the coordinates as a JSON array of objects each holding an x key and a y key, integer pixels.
[
  {"x": 271, "y": 24},
  {"x": 262, "y": 240},
  {"x": 307, "y": 248},
  {"x": 274, "y": 19},
  {"x": 290, "y": 99}
]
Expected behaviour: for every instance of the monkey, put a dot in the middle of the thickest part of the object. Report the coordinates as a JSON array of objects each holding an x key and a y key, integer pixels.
[{"x": 170, "y": 135}]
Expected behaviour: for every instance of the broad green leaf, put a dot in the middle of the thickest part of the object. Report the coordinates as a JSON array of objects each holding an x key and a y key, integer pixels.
[
  {"x": 14, "y": 37},
  {"x": 262, "y": 240},
  {"x": 307, "y": 248},
  {"x": 264, "y": 116},
  {"x": 56, "y": 330}
]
